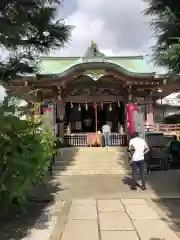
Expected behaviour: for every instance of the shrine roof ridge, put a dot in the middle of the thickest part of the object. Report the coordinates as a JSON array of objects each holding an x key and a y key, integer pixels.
[
  {"x": 58, "y": 65},
  {"x": 78, "y": 57}
]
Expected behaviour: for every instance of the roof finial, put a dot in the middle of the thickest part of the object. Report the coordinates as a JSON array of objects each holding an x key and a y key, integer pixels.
[
  {"x": 94, "y": 48},
  {"x": 94, "y": 45},
  {"x": 93, "y": 51}
]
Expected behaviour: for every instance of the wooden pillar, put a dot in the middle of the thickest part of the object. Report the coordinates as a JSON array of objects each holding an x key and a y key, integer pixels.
[
  {"x": 149, "y": 117},
  {"x": 128, "y": 100},
  {"x": 60, "y": 117},
  {"x": 129, "y": 94},
  {"x": 60, "y": 111},
  {"x": 96, "y": 117}
]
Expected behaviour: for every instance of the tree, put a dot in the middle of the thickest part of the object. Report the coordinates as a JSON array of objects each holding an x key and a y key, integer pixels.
[
  {"x": 29, "y": 28},
  {"x": 166, "y": 26}
]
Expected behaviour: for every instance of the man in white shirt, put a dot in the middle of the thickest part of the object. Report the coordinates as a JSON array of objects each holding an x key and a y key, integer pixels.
[
  {"x": 140, "y": 148},
  {"x": 107, "y": 134}
]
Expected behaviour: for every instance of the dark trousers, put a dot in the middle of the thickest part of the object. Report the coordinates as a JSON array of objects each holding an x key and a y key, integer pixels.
[
  {"x": 135, "y": 166},
  {"x": 175, "y": 158}
]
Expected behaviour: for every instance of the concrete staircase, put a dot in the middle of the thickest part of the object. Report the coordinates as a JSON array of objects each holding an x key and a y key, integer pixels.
[{"x": 86, "y": 161}]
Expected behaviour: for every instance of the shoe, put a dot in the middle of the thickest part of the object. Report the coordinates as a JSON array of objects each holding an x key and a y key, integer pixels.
[
  {"x": 133, "y": 188},
  {"x": 144, "y": 188}
]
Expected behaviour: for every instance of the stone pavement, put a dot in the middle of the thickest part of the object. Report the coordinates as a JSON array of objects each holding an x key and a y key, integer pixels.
[
  {"x": 159, "y": 185},
  {"x": 130, "y": 219},
  {"x": 108, "y": 209}
]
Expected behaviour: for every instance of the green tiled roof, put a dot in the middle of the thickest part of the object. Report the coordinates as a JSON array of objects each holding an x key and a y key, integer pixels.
[
  {"x": 57, "y": 65},
  {"x": 132, "y": 64}
]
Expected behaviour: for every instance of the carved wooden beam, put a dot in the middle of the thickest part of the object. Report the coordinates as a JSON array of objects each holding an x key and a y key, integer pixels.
[{"x": 58, "y": 92}]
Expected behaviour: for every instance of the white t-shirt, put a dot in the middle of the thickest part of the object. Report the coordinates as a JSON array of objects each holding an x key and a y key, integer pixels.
[
  {"x": 106, "y": 129},
  {"x": 139, "y": 146}
]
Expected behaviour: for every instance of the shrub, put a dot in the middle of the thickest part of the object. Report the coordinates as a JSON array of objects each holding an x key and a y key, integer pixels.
[{"x": 25, "y": 154}]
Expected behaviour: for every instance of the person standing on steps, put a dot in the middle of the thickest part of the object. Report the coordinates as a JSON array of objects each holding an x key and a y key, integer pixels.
[
  {"x": 140, "y": 148},
  {"x": 107, "y": 135}
]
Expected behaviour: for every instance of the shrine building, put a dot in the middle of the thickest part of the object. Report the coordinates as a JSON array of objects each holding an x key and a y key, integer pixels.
[{"x": 88, "y": 91}]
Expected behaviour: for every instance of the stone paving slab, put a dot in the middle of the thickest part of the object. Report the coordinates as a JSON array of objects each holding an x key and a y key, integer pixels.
[
  {"x": 117, "y": 235},
  {"x": 110, "y": 206},
  {"x": 81, "y": 230},
  {"x": 129, "y": 219},
  {"x": 83, "y": 212},
  {"x": 86, "y": 201},
  {"x": 141, "y": 212},
  {"x": 154, "y": 229},
  {"x": 115, "y": 221},
  {"x": 132, "y": 201}
]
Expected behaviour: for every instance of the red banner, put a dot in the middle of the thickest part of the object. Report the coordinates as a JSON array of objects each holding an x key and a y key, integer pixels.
[{"x": 47, "y": 110}]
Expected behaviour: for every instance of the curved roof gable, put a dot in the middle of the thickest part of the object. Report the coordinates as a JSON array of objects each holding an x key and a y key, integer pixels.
[
  {"x": 60, "y": 65},
  {"x": 51, "y": 65}
]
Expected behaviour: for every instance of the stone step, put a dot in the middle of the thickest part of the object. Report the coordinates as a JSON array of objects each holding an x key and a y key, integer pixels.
[
  {"x": 91, "y": 153},
  {"x": 68, "y": 156},
  {"x": 91, "y": 172},
  {"x": 88, "y": 156},
  {"x": 92, "y": 157},
  {"x": 105, "y": 162},
  {"x": 92, "y": 150},
  {"x": 89, "y": 167},
  {"x": 92, "y": 166},
  {"x": 124, "y": 165},
  {"x": 92, "y": 161}
]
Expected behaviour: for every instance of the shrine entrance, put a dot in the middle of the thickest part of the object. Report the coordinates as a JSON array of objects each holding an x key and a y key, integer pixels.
[
  {"x": 90, "y": 117},
  {"x": 88, "y": 121}
]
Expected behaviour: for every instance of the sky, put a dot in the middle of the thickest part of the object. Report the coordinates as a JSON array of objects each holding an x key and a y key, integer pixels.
[{"x": 118, "y": 27}]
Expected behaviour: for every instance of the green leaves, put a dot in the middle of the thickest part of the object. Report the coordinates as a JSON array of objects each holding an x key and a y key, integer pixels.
[
  {"x": 28, "y": 28},
  {"x": 25, "y": 154},
  {"x": 166, "y": 26}
]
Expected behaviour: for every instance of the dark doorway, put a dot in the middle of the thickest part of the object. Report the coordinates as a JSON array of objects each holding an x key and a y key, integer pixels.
[
  {"x": 88, "y": 118},
  {"x": 111, "y": 113},
  {"x": 101, "y": 113}
]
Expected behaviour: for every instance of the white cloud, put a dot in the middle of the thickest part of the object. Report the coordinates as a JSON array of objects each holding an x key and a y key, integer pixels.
[{"x": 116, "y": 26}]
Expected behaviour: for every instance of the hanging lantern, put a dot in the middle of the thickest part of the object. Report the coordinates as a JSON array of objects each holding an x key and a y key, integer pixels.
[
  {"x": 110, "y": 107},
  {"x": 86, "y": 106},
  {"x": 101, "y": 105},
  {"x": 119, "y": 104},
  {"x": 71, "y": 105},
  {"x": 79, "y": 107}
]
